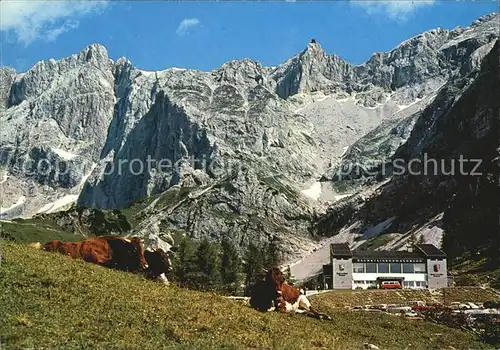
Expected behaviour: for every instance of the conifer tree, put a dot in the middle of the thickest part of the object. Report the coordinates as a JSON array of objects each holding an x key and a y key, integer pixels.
[
  {"x": 254, "y": 262},
  {"x": 207, "y": 276},
  {"x": 288, "y": 275},
  {"x": 271, "y": 257},
  {"x": 184, "y": 261},
  {"x": 229, "y": 266}
]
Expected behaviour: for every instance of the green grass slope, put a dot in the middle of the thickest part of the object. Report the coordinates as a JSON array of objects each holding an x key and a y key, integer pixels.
[
  {"x": 51, "y": 301},
  {"x": 27, "y": 231}
]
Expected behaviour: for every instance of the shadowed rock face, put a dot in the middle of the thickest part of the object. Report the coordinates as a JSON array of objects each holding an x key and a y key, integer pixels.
[
  {"x": 240, "y": 142},
  {"x": 461, "y": 122}
]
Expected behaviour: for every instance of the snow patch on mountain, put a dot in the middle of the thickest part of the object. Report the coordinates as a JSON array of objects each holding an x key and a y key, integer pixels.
[
  {"x": 64, "y": 154},
  {"x": 59, "y": 204},
  {"x": 4, "y": 177},
  {"x": 20, "y": 201},
  {"x": 401, "y": 107},
  {"x": 313, "y": 192},
  {"x": 344, "y": 150},
  {"x": 64, "y": 201}
]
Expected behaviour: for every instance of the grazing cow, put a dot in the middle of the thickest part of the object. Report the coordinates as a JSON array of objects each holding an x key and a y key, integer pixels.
[
  {"x": 274, "y": 289},
  {"x": 159, "y": 265},
  {"x": 110, "y": 251}
]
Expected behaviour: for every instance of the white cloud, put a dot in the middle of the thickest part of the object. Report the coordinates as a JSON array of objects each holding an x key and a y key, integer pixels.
[
  {"x": 32, "y": 20},
  {"x": 186, "y": 24},
  {"x": 398, "y": 10},
  {"x": 52, "y": 34}
]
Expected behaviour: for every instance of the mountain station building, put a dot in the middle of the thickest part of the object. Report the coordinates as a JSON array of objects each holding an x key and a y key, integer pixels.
[{"x": 422, "y": 266}]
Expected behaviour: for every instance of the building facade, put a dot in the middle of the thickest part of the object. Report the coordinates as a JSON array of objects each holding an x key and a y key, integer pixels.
[{"x": 424, "y": 266}]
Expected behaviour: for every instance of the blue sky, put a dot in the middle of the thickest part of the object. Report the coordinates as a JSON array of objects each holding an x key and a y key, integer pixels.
[{"x": 203, "y": 35}]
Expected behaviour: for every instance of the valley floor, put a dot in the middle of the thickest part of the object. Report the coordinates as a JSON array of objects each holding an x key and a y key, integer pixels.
[{"x": 51, "y": 301}]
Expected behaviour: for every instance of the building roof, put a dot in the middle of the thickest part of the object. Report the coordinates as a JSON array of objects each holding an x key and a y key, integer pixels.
[
  {"x": 381, "y": 255},
  {"x": 431, "y": 251},
  {"x": 421, "y": 252},
  {"x": 340, "y": 250}
]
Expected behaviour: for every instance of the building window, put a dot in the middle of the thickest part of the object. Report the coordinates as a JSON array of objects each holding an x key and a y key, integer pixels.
[
  {"x": 358, "y": 268},
  {"x": 419, "y": 268},
  {"x": 371, "y": 268},
  {"x": 409, "y": 284},
  {"x": 383, "y": 268},
  {"x": 395, "y": 268},
  {"x": 420, "y": 284},
  {"x": 408, "y": 268}
]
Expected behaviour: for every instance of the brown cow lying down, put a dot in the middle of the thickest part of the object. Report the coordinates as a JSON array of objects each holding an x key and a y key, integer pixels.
[
  {"x": 118, "y": 253},
  {"x": 272, "y": 290},
  {"x": 110, "y": 251}
]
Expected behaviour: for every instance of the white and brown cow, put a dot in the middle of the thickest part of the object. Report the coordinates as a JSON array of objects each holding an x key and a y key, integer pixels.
[{"x": 271, "y": 292}]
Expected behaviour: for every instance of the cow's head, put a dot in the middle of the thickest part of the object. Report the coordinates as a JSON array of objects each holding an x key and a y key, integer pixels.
[
  {"x": 53, "y": 246},
  {"x": 275, "y": 278},
  {"x": 159, "y": 262},
  {"x": 164, "y": 260},
  {"x": 137, "y": 243}
]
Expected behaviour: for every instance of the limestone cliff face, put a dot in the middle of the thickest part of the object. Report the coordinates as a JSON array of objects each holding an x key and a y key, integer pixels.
[
  {"x": 54, "y": 128},
  {"x": 7, "y": 77},
  {"x": 237, "y": 150}
]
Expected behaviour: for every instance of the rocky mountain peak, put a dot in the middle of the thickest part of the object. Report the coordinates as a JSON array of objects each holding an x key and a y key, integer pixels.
[
  {"x": 7, "y": 77},
  {"x": 491, "y": 17},
  {"x": 47, "y": 74},
  {"x": 313, "y": 50},
  {"x": 123, "y": 62},
  {"x": 240, "y": 72},
  {"x": 94, "y": 53}
]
